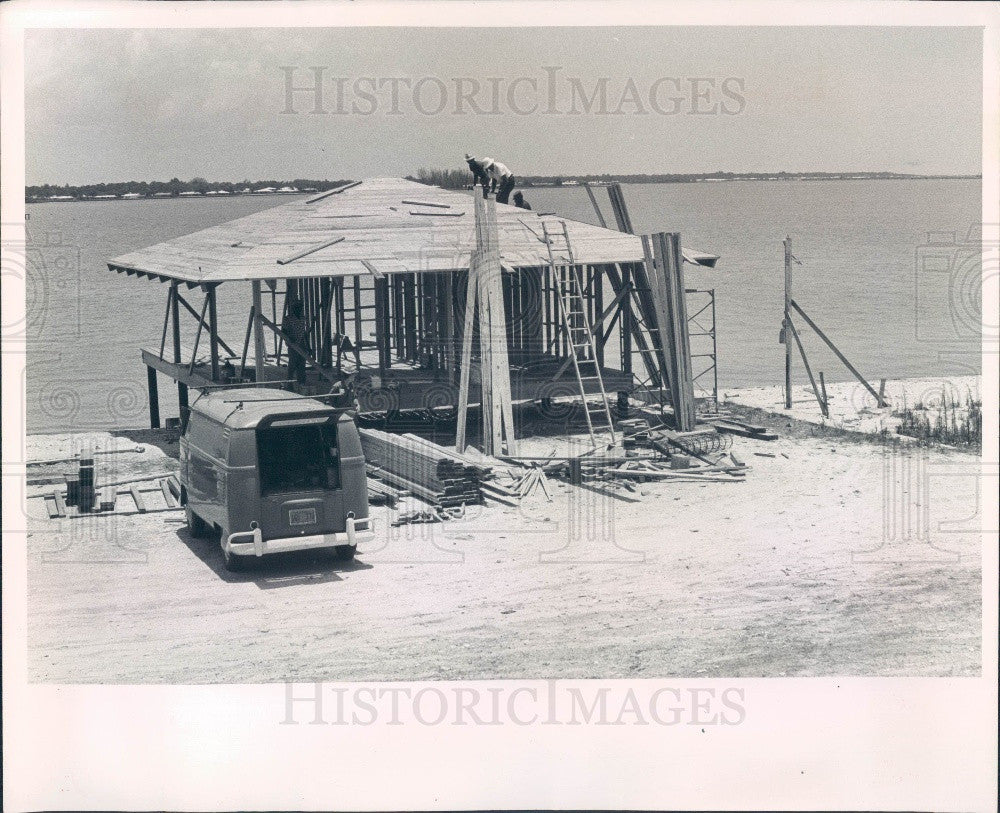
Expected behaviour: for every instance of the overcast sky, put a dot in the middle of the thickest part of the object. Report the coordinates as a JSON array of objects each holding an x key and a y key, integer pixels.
[{"x": 111, "y": 105}]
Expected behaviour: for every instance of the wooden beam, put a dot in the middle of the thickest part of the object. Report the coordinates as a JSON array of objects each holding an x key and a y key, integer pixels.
[
  {"x": 597, "y": 209},
  {"x": 311, "y": 250},
  {"x": 426, "y": 203},
  {"x": 195, "y": 314},
  {"x": 259, "y": 350},
  {"x": 182, "y": 390},
  {"x": 839, "y": 355},
  {"x": 154, "y": 399},
  {"x": 336, "y": 191},
  {"x": 197, "y": 336},
  {"x": 213, "y": 333},
  {"x": 805, "y": 363},
  {"x": 305, "y": 353},
  {"x": 787, "y": 243}
]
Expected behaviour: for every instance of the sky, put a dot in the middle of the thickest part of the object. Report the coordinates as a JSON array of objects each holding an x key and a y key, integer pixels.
[{"x": 116, "y": 105}]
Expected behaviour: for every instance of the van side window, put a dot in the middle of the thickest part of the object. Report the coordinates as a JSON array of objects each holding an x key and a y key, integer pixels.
[
  {"x": 298, "y": 458},
  {"x": 205, "y": 435}
]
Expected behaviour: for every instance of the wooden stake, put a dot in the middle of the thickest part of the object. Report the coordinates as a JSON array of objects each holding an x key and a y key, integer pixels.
[
  {"x": 785, "y": 322},
  {"x": 821, "y": 400},
  {"x": 841, "y": 356}
]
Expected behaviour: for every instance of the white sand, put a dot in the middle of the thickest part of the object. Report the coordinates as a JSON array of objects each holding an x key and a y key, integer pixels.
[
  {"x": 853, "y": 408},
  {"x": 827, "y": 560}
]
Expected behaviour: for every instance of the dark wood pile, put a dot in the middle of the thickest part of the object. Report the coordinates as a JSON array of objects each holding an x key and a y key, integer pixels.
[{"x": 433, "y": 473}]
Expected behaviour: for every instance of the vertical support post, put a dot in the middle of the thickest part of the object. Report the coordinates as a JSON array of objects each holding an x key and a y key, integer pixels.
[
  {"x": 356, "y": 282},
  {"x": 382, "y": 326},
  {"x": 258, "y": 334},
  {"x": 154, "y": 398},
  {"x": 213, "y": 332},
  {"x": 175, "y": 317},
  {"x": 467, "y": 330},
  {"x": 628, "y": 325},
  {"x": 784, "y": 324},
  {"x": 449, "y": 325},
  {"x": 822, "y": 387}
]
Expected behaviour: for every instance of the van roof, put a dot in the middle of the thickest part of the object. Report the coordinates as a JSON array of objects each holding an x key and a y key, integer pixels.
[{"x": 245, "y": 408}]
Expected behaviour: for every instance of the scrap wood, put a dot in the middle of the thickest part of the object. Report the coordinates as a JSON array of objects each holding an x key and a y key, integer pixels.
[
  {"x": 416, "y": 517},
  {"x": 491, "y": 492},
  {"x": 733, "y": 427}
]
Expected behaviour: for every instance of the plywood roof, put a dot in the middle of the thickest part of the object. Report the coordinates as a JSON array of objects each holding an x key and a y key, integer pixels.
[{"x": 388, "y": 225}]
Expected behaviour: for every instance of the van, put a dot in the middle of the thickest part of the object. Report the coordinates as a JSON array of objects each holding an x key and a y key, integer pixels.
[{"x": 271, "y": 471}]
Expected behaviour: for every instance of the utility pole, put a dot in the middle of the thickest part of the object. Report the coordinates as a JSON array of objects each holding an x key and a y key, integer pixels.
[{"x": 785, "y": 323}]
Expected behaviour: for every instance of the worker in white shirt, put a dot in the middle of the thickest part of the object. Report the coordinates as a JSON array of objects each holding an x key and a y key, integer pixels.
[{"x": 501, "y": 179}]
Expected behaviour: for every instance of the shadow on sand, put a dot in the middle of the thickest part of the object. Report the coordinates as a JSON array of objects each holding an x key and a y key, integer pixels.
[{"x": 275, "y": 570}]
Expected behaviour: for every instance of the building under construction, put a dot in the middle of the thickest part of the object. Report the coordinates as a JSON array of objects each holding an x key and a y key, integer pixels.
[{"x": 415, "y": 297}]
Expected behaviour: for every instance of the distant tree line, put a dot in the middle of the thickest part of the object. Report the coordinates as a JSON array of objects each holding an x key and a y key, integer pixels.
[
  {"x": 173, "y": 188},
  {"x": 444, "y": 178},
  {"x": 462, "y": 178}
]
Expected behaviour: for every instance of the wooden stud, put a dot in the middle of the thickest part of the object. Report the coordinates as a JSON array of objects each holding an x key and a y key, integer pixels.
[{"x": 154, "y": 399}]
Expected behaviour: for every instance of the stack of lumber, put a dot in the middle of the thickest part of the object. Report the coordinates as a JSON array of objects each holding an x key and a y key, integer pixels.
[
  {"x": 423, "y": 468},
  {"x": 380, "y": 493}
]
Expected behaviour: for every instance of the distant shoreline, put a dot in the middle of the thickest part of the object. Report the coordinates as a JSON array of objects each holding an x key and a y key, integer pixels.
[{"x": 71, "y": 194}]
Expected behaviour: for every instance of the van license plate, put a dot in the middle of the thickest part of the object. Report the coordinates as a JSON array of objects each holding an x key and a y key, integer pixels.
[{"x": 302, "y": 516}]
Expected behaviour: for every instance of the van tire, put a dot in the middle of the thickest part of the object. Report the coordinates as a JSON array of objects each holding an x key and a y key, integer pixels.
[
  {"x": 234, "y": 562},
  {"x": 345, "y": 553},
  {"x": 196, "y": 525}
]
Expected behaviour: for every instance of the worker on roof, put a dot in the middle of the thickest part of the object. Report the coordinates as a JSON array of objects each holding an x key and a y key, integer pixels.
[
  {"x": 478, "y": 168},
  {"x": 520, "y": 202},
  {"x": 500, "y": 177}
]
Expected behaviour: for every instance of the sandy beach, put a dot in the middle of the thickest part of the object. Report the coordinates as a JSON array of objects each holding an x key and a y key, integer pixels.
[{"x": 837, "y": 555}]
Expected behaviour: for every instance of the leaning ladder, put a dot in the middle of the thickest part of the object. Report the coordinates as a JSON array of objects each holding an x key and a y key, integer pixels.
[{"x": 576, "y": 324}]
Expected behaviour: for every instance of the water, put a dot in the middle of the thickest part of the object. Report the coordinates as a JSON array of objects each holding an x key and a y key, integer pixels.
[{"x": 894, "y": 305}]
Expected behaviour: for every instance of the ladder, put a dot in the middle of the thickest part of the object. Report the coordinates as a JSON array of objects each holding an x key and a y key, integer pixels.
[
  {"x": 579, "y": 334},
  {"x": 358, "y": 309}
]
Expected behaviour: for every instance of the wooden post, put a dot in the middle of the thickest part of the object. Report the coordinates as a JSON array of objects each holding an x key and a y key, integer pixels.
[
  {"x": 154, "y": 399},
  {"x": 182, "y": 390},
  {"x": 822, "y": 388},
  {"x": 213, "y": 333},
  {"x": 784, "y": 324},
  {"x": 382, "y": 325},
  {"x": 467, "y": 329},
  {"x": 820, "y": 399},
  {"x": 597, "y": 209},
  {"x": 841, "y": 356},
  {"x": 672, "y": 320},
  {"x": 258, "y": 334}
]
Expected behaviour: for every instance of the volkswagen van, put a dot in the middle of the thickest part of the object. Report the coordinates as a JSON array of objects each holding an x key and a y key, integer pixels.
[{"x": 271, "y": 471}]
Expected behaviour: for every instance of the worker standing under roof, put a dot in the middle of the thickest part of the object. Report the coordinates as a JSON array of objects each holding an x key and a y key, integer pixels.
[
  {"x": 500, "y": 176},
  {"x": 478, "y": 168},
  {"x": 294, "y": 328}
]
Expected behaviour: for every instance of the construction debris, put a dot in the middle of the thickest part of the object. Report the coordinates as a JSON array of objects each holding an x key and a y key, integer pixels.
[{"x": 747, "y": 430}]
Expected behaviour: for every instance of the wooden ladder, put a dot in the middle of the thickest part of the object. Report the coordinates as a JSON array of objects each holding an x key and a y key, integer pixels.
[{"x": 576, "y": 324}]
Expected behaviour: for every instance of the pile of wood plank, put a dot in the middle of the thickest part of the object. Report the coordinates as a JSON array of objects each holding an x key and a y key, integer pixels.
[
  {"x": 434, "y": 474},
  {"x": 380, "y": 493},
  {"x": 731, "y": 426}
]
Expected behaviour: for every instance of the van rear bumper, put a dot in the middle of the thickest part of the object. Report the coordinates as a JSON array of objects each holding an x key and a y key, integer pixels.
[{"x": 252, "y": 543}]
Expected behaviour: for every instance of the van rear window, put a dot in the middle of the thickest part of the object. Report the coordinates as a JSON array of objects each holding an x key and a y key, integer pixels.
[{"x": 298, "y": 458}]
